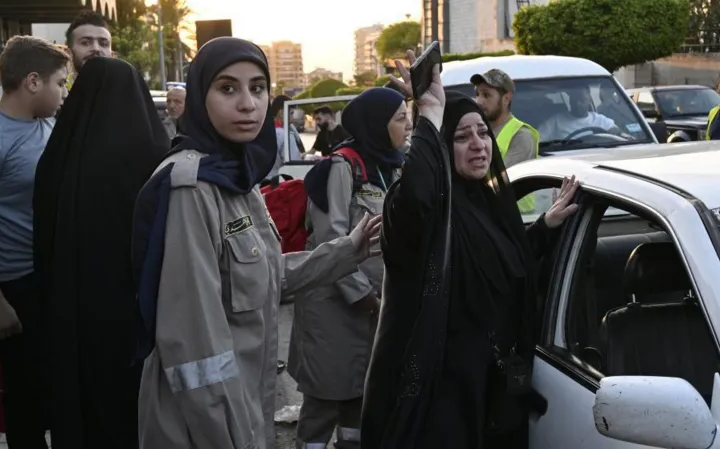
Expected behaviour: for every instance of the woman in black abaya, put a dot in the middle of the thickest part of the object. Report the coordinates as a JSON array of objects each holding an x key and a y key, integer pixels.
[
  {"x": 459, "y": 292},
  {"x": 105, "y": 145}
]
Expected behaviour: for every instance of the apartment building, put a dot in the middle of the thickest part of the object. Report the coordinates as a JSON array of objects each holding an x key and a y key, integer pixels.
[
  {"x": 463, "y": 26},
  {"x": 365, "y": 55},
  {"x": 321, "y": 74},
  {"x": 286, "y": 63}
]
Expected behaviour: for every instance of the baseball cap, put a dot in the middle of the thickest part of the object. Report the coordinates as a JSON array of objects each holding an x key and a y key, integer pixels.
[{"x": 494, "y": 78}]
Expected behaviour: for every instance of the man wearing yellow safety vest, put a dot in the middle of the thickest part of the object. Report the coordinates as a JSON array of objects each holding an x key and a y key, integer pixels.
[
  {"x": 518, "y": 141},
  {"x": 713, "y": 126}
]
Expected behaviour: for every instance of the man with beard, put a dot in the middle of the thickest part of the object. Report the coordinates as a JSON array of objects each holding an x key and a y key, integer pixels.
[
  {"x": 331, "y": 132},
  {"x": 88, "y": 36},
  {"x": 564, "y": 124},
  {"x": 518, "y": 141}
]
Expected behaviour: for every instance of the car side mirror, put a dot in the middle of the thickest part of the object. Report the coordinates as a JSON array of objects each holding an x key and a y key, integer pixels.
[
  {"x": 664, "y": 412},
  {"x": 660, "y": 130}
]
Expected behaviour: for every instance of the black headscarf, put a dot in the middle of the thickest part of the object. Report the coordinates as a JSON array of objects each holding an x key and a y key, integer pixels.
[
  {"x": 485, "y": 216},
  {"x": 234, "y": 167},
  {"x": 105, "y": 145},
  {"x": 255, "y": 159},
  {"x": 366, "y": 119}
]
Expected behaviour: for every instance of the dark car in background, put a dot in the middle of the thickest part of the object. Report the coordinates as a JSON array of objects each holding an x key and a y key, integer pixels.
[{"x": 683, "y": 108}]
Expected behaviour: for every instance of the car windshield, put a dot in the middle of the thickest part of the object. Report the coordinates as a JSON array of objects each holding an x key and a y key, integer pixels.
[
  {"x": 576, "y": 113},
  {"x": 686, "y": 102}
]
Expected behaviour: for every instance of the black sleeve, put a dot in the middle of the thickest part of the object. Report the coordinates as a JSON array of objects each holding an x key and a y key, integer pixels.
[
  {"x": 541, "y": 237},
  {"x": 414, "y": 198}
]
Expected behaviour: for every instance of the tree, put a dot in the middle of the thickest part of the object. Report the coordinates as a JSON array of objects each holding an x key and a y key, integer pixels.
[
  {"x": 704, "y": 30},
  {"x": 365, "y": 78},
  {"x": 610, "y": 32},
  {"x": 174, "y": 14},
  {"x": 449, "y": 57},
  {"x": 396, "y": 39},
  {"x": 326, "y": 88},
  {"x": 132, "y": 37}
]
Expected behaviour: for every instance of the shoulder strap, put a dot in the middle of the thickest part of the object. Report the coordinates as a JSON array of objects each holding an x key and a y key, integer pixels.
[{"x": 357, "y": 166}]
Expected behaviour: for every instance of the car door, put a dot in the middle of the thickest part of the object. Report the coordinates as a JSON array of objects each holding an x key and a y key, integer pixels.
[{"x": 581, "y": 283}]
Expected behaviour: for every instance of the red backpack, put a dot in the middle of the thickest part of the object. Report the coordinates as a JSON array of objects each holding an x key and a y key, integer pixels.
[{"x": 287, "y": 202}]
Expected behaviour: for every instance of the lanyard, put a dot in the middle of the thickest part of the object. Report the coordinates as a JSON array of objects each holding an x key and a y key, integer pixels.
[{"x": 385, "y": 189}]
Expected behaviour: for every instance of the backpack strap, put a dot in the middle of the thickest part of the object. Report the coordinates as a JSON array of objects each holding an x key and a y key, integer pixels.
[{"x": 357, "y": 165}]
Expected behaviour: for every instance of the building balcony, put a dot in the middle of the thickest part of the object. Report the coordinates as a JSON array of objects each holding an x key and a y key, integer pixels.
[{"x": 53, "y": 11}]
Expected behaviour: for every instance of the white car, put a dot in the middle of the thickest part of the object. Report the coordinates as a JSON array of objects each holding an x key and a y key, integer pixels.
[{"x": 628, "y": 355}]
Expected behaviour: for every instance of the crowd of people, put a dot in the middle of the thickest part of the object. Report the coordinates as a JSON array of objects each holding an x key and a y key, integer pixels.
[{"x": 141, "y": 272}]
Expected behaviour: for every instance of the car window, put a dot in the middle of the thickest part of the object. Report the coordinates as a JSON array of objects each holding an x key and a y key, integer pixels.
[
  {"x": 687, "y": 102},
  {"x": 575, "y": 113},
  {"x": 645, "y": 100},
  {"x": 538, "y": 202},
  {"x": 630, "y": 308}
]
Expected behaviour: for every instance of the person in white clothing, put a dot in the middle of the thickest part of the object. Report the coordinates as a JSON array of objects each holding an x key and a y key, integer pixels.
[{"x": 564, "y": 124}]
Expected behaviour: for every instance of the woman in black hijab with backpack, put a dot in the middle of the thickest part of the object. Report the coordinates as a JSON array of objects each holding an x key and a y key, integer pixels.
[
  {"x": 105, "y": 145},
  {"x": 334, "y": 326},
  {"x": 209, "y": 264},
  {"x": 453, "y": 353}
]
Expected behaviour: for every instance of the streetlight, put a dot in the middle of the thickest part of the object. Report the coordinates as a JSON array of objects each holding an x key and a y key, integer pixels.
[{"x": 161, "y": 41}]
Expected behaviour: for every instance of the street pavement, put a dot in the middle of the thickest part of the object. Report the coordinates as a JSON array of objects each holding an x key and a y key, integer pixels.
[{"x": 286, "y": 394}]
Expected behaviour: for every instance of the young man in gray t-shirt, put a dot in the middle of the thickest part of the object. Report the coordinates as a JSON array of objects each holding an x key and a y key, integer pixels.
[{"x": 33, "y": 75}]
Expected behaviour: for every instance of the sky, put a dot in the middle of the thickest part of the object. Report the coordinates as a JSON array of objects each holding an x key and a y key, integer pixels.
[{"x": 325, "y": 28}]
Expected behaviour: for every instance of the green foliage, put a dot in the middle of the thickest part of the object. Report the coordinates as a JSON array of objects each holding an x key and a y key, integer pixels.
[
  {"x": 326, "y": 88},
  {"x": 307, "y": 108},
  {"x": 449, "y": 57},
  {"x": 135, "y": 36},
  {"x": 347, "y": 91},
  {"x": 382, "y": 80},
  {"x": 610, "y": 32},
  {"x": 129, "y": 43},
  {"x": 351, "y": 90},
  {"x": 704, "y": 24},
  {"x": 396, "y": 39},
  {"x": 365, "y": 79},
  {"x": 132, "y": 37}
]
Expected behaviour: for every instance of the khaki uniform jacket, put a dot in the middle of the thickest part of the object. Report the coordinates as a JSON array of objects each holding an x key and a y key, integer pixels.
[
  {"x": 332, "y": 341},
  {"x": 210, "y": 382}
]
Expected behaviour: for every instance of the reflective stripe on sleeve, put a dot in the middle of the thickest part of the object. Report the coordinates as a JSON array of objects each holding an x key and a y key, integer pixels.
[{"x": 201, "y": 373}]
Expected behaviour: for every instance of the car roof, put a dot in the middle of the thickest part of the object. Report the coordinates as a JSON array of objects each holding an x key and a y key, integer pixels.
[
  {"x": 675, "y": 87},
  {"x": 520, "y": 67},
  {"x": 693, "y": 167}
]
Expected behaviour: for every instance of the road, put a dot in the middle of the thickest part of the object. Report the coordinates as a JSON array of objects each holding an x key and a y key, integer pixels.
[{"x": 286, "y": 387}]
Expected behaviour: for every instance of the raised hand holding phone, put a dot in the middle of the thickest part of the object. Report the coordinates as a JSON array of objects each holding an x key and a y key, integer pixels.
[{"x": 431, "y": 104}]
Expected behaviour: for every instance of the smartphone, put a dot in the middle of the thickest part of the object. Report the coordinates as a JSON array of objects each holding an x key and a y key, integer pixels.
[{"x": 421, "y": 71}]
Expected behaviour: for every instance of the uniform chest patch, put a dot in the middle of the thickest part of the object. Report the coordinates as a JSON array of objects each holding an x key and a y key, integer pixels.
[
  {"x": 239, "y": 225},
  {"x": 370, "y": 193}
]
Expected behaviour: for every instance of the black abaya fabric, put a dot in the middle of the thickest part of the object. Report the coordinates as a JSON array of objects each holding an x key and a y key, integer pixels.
[
  {"x": 487, "y": 288},
  {"x": 105, "y": 145}
]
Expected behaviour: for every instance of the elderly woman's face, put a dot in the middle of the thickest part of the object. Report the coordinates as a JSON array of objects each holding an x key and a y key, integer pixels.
[
  {"x": 472, "y": 147},
  {"x": 400, "y": 127}
]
